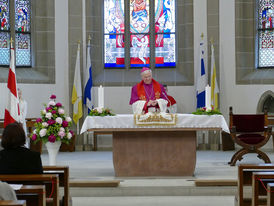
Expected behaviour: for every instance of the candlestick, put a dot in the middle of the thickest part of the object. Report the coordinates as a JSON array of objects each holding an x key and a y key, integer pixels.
[
  {"x": 101, "y": 96},
  {"x": 208, "y": 97}
]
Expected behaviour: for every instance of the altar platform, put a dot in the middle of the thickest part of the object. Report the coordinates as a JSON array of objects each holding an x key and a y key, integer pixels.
[
  {"x": 154, "y": 147},
  {"x": 150, "y": 191}
]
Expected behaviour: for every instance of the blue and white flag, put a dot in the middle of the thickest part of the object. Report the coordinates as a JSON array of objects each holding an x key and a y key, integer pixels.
[
  {"x": 201, "y": 78},
  {"x": 88, "y": 81}
]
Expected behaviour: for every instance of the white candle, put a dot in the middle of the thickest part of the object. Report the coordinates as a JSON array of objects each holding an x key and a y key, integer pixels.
[
  {"x": 100, "y": 96},
  {"x": 208, "y": 97}
]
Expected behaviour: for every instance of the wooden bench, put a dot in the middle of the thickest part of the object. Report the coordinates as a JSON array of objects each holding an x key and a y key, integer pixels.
[
  {"x": 270, "y": 194},
  {"x": 51, "y": 181},
  {"x": 12, "y": 203},
  {"x": 245, "y": 172},
  {"x": 257, "y": 188},
  {"x": 95, "y": 134},
  {"x": 63, "y": 174},
  {"x": 33, "y": 194}
]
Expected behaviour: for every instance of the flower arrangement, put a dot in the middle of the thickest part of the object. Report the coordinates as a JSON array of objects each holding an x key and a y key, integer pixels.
[
  {"x": 205, "y": 111},
  {"x": 99, "y": 111},
  {"x": 53, "y": 124}
]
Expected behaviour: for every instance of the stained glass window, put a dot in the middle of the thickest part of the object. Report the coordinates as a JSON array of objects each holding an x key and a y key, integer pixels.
[
  {"x": 4, "y": 15},
  {"x": 165, "y": 33},
  {"x": 114, "y": 28},
  {"x": 4, "y": 48},
  {"x": 140, "y": 31},
  {"x": 266, "y": 33},
  {"x": 4, "y": 33},
  {"x": 22, "y": 28}
]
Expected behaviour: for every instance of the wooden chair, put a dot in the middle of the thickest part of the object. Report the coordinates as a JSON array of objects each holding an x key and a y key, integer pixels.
[
  {"x": 250, "y": 131},
  {"x": 270, "y": 194},
  {"x": 12, "y": 203},
  {"x": 63, "y": 174},
  {"x": 257, "y": 189},
  {"x": 51, "y": 181},
  {"x": 33, "y": 194},
  {"x": 245, "y": 172}
]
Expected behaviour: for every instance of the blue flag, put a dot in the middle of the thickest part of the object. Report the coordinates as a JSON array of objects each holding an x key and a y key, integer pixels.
[
  {"x": 201, "y": 79},
  {"x": 88, "y": 81}
]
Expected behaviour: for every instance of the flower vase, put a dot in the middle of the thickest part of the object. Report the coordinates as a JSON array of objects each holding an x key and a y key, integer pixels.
[{"x": 53, "y": 149}]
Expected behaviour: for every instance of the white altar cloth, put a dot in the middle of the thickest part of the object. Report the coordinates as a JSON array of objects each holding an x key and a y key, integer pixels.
[{"x": 127, "y": 121}]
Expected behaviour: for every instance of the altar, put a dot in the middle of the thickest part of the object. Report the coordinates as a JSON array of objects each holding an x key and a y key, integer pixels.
[{"x": 156, "y": 150}]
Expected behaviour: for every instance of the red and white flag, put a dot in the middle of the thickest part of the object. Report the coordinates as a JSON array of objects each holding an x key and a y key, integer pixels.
[{"x": 12, "y": 110}]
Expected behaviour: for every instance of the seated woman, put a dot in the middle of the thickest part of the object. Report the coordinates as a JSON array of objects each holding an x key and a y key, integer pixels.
[{"x": 15, "y": 158}]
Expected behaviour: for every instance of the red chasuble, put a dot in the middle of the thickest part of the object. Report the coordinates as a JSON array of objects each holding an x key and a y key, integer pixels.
[{"x": 141, "y": 90}]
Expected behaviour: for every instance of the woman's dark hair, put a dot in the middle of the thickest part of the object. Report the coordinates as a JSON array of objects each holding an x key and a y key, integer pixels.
[{"x": 13, "y": 136}]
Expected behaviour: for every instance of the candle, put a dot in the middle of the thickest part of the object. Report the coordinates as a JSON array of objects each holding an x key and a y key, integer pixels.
[
  {"x": 101, "y": 96},
  {"x": 208, "y": 97}
]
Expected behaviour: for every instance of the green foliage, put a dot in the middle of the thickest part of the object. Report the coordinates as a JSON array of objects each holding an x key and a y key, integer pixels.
[
  {"x": 204, "y": 111},
  {"x": 101, "y": 112}
]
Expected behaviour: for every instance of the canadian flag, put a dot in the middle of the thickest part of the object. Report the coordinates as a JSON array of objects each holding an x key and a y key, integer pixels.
[{"x": 12, "y": 111}]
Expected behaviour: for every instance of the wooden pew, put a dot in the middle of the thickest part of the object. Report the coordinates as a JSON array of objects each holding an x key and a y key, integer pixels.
[
  {"x": 63, "y": 174},
  {"x": 51, "y": 181},
  {"x": 267, "y": 177},
  {"x": 12, "y": 203},
  {"x": 270, "y": 194},
  {"x": 33, "y": 194},
  {"x": 245, "y": 179}
]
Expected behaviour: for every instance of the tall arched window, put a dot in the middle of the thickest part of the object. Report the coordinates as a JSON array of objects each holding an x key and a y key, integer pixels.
[
  {"x": 139, "y": 33},
  {"x": 265, "y": 33},
  {"x": 20, "y": 27}
]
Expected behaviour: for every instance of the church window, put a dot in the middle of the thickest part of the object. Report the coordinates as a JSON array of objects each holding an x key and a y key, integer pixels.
[
  {"x": 22, "y": 29},
  {"x": 142, "y": 44},
  {"x": 266, "y": 34}
]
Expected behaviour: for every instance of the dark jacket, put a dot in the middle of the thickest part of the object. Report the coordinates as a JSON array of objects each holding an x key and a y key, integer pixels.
[{"x": 20, "y": 161}]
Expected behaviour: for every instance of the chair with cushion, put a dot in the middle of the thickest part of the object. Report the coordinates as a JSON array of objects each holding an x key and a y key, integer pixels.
[{"x": 250, "y": 131}]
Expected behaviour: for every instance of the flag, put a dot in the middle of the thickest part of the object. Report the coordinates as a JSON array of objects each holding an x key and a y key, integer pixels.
[
  {"x": 214, "y": 85},
  {"x": 12, "y": 111},
  {"x": 201, "y": 79},
  {"x": 76, "y": 97},
  {"x": 88, "y": 81}
]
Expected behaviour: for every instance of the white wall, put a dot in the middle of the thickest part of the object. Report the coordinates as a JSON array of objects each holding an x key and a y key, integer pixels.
[
  {"x": 37, "y": 94},
  {"x": 243, "y": 98}
]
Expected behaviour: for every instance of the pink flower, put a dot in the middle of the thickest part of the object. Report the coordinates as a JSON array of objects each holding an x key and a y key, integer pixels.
[
  {"x": 68, "y": 119},
  {"x": 61, "y": 134},
  {"x": 53, "y": 96},
  {"x": 58, "y": 104},
  {"x": 59, "y": 120},
  {"x": 48, "y": 115},
  {"x": 48, "y": 108},
  {"x": 51, "y": 103},
  {"x": 38, "y": 120},
  {"x": 34, "y": 137},
  {"x": 44, "y": 124},
  {"x": 65, "y": 123},
  {"x": 53, "y": 112},
  {"x": 52, "y": 138},
  {"x": 51, "y": 121},
  {"x": 43, "y": 132},
  {"x": 61, "y": 111},
  {"x": 69, "y": 135}
]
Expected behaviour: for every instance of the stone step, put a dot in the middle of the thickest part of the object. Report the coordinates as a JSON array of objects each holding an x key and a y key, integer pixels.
[
  {"x": 154, "y": 187},
  {"x": 155, "y": 201}
]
